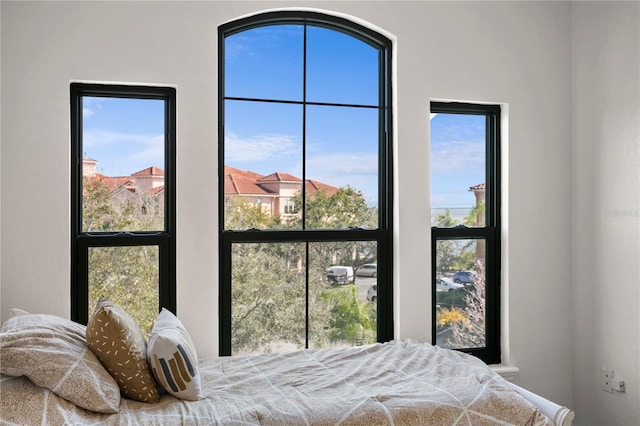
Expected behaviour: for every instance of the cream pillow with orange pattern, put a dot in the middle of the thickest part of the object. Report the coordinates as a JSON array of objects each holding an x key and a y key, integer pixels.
[
  {"x": 117, "y": 340},
  {"x": 172, "y": 357}
]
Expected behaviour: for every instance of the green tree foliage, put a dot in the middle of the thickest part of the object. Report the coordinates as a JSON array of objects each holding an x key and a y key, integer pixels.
[
  {"x": 456, "y": 255},
  {"x": 128, "y": 276},
  {"x": 345, "y": 208},
  {"x": 241, "y": 215},
  {"x": 352, "y": 320},
  {"x": 269, "y": 289}
]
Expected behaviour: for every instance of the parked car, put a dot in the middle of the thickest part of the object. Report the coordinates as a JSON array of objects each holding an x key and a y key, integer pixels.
[
  {"x": 340, "y": 274},
  {"x": 465, "y": 277},
  {"x": 372, "y": 293},
  {"x": 445, "y": 284},
  {"x": 367, "y": 270}
]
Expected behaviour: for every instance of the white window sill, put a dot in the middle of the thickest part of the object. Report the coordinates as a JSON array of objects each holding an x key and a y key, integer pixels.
[{"x": 509, "y": 372}]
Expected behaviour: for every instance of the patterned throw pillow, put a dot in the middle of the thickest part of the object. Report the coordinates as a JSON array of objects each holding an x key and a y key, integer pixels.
[
  {"x": 116, "y": 339},
  {"x": 53, "y": 353},
  {"x": 172, "y": 357}
]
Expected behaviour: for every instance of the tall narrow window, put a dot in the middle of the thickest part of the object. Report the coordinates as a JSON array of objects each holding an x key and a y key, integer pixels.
[
  {"x": 304, "y": 102},
  {"x": 465, "y": 220},
  {"x": 123, "y": 199}
]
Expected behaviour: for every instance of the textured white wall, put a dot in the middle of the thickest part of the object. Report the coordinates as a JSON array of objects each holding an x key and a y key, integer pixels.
[
  {"x": 606, "y": 209},
  {"x": 518, "y": 53}
]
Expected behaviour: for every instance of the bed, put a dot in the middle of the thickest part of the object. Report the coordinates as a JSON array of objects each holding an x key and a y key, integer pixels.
[{"x": 51, "y": 376}]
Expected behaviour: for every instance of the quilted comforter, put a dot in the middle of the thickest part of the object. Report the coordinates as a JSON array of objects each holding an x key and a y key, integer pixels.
[{"x": 396, "y": 383}]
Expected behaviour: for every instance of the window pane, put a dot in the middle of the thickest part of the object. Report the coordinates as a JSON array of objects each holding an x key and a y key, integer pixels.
[
  {"x": 129, "y": 277},
  {"x": 342, "y": 167},
  {"x": 460, "y": 293},
  {"x": 123, "y": 159},
  {"x": 265, "y": 63},
  {"x": 268, "y": 297},
  {"x": 263, "y": 165},
  {"x": 458, "y": 169},
  {"x": 342, "y": 298},
  {"x": 340, "y": 68}
]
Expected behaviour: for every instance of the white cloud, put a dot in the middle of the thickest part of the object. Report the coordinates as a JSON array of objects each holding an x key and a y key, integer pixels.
[
  {"x": 342, "y": 166},
  {"x": 458, "y": 156},
  {"x": 124, "y": 153},
  {"x": 91, "y": 106},
  {"x": 260, "y": 148},
  {"x": 97, "y": 138}
]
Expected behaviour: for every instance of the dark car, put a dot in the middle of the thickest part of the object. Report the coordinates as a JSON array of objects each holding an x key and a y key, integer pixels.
[{"x": 465, "y": 277}]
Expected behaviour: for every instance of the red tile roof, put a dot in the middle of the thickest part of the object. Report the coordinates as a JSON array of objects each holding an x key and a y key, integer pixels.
[
  {"x": 242, "y": 184},
  {"x": 238, "y": 181},
  {"x": 280, "y": 177},
  {"x": 477, "y": 187},
  {"x": 157, "y": 189},
  {"x": 112, "y": 183},
  {"x": 232, "y": 170},
  {"x": 313, "y": 186},
  {"x": 150, "y": 171}
]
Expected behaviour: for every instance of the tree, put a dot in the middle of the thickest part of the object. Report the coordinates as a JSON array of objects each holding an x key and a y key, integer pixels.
[
  {"x": 240, "y": 214},
  {"x": 352, "y": 320},
  {"x": 269, "y": 287},
  {"x": 128, "y": 276},
  {"x": 345, "y": 208},
  {"x": 456, "y": 255},
  {"x": 472, "y": 332}
]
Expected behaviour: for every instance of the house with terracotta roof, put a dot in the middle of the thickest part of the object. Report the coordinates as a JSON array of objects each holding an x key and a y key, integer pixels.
[
  {"x": 144, "y": 188},
  {"x": 274, "y": 193}
]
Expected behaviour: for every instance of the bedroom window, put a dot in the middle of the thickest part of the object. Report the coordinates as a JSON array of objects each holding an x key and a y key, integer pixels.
[
  {"x": 123, "y": 199},
  {"x": 465, "y": 233},
  {"x": 305, "y": 121}
]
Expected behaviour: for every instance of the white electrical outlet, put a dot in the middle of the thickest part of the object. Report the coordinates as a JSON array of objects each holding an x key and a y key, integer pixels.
[
  {"x": 606, "y": 380},
  {"x": 618, "y": 385}
]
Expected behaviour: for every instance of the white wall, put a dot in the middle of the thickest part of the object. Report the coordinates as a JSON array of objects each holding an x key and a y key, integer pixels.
[
  {"x": 518, "y": 53},
  {"x": 606, "y": 209}
]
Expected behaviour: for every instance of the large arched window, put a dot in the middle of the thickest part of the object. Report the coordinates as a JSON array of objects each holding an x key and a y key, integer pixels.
[{"x": 305, "y": 120}]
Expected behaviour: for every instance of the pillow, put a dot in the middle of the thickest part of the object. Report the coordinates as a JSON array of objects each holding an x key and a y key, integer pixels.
[
  {"x": 15, "y": 312},
  {"x": 53, "y": 353},
  {"x": 116, "y": 339},
  {"x": 172, "y": 357}
]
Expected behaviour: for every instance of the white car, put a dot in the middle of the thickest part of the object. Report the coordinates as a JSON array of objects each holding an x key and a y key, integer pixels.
[
  {"x": 340, "y": 274},
  {"x": 367, "y": 270},
  {"x": 445, "y": 284},
  {"x": 372, "y": 293}
]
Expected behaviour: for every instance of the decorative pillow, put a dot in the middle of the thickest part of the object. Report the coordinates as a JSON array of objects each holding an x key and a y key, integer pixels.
[
  {"x": 53, "y": 353},
  {"x": 116, "y": 339},
  {"x": 172, "y": 357}
]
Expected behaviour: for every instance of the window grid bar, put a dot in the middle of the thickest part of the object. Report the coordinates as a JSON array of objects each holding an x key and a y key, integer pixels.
[{"x": 303, "y": 102}]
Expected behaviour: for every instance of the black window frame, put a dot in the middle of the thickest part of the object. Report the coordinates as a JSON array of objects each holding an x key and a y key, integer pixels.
[
  {"x": 82, "y": 241},
  {"x": 383, "y": 235},
  {"x": 490, "y": 232}
]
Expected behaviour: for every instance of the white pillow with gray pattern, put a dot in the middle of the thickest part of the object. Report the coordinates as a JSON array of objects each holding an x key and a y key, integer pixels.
[
  {"x": 172, "y": 357},
  {"x": 53, "y": 353}
]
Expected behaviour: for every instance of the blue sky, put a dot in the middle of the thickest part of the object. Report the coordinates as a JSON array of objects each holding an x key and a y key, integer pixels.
[
  {"x": 126, "y": 135},
  {"x": 457, "y": 159},
  {"x": 123, "y": 135}
]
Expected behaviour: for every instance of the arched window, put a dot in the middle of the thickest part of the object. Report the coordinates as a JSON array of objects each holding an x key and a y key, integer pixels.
[{"x": 305, "y": 115}]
